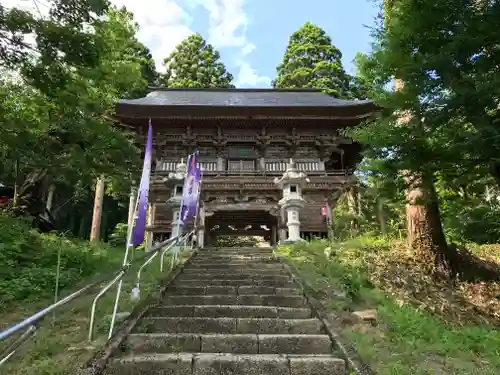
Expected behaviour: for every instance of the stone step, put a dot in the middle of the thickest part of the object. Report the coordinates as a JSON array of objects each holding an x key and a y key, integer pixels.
[
  {"x": 140, "y": 343},
  {"x": 254, "y": 250},
  {"x": 207, "y": 263},
  {"x": 229, "y": 325},
  {"x": 247, "y": 300},
  {"x": 234, "y": 276},
  {"x": 226, "y": 364},
  {"x": 243, "y": 282},
  {"x": 232, "y": 257},
  {"x": 236, "y": 270},
  {"x": 232, "y": 290},
  {"x": 230, "y": 311},
  {"x": 266, "y": 258}
]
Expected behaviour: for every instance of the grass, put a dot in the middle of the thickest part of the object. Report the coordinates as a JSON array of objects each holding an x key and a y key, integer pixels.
[
  {"x": 28, "y": 262},
  {"x": 60, "y": 348},
  {"x": 423, "y": 326}
]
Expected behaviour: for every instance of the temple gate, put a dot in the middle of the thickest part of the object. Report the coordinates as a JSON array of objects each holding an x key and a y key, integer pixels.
[{"x": 270, "y": 158}]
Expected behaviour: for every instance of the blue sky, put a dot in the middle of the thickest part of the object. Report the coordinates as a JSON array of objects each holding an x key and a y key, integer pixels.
[
  {"x": 343, "y": 20},
  {"x": 250, "y": 34}
]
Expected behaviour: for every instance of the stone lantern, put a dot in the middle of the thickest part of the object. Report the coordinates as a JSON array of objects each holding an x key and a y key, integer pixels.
[
  {"x": 175, "y": 181},
  {"x": 291, "y": 183}
]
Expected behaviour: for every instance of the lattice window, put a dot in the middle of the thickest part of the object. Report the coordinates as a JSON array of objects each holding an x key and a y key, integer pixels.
[{"x": 241, "y": 165}]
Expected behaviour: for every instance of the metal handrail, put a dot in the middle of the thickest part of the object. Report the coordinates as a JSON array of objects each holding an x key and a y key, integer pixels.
[
  {"x": 162, "y": 255},
  {"x": 30, "y": 324},
  {"x": 11, "y": 349},
  {"x": 155, "y": 250},
  {"x": 99, "y": 295},
  {"x": 165, "y": 250}
]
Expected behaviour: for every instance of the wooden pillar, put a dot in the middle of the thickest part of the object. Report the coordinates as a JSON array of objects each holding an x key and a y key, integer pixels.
[
  {"x": 151, "y": 221},
  {"x": 201, "y": 228},
  {"x": 273, "y": 235},
  {"x": 95, "y": 232}
]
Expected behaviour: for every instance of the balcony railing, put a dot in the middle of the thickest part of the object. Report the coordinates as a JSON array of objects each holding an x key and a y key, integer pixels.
[{"x": 245, "y": 167}]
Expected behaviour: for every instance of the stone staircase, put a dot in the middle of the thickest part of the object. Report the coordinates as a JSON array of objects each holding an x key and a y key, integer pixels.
[{"x": 230, "y": 312}]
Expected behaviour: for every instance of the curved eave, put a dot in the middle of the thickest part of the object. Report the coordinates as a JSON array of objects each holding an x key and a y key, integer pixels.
[{"x": 353, "y": 110}]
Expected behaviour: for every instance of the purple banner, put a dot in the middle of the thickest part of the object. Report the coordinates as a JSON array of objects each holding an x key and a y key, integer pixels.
[
  {"x": 191, "y": 188},
  {"x": 143, "y": 192}
]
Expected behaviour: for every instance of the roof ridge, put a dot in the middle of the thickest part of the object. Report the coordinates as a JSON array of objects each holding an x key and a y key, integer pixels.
[{"x": 238, "y": 89}]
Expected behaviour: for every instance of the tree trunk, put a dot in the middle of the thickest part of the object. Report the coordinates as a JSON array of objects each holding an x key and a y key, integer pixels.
[
  {"x": 423, "y": 221},
  {"x": 381, "y": 217},
  {"x": 16, "y": 183},
  {"x": 353, "y": 205},
  {"x": 95, "y": 231},
  {"x": 49, "y": 202},
  {"x": 29, "y": 198}
]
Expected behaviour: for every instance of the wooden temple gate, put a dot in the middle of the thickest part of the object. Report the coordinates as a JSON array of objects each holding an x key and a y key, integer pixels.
[{"x": 245, "y": 139}]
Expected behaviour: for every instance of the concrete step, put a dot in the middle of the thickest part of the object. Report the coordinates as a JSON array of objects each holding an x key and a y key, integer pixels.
[
  {"x": 233, "y": 257},
  {"x": 259, "y": 250},
  {"x": 207, "y": 263},
  {"x": 235, "y": 270},
  {"x": 234, "y": 276},
  {"x": 226, "y": 364},
  {"x": 254, "y": 300},
  {"x": 230, "y": 311},
  {"x": 242, "y": 282},
  {"x": 140, "y": 343},
  {"x": 229, "y": 325},
  {"x": 236, "y": 253},
  {"x": 232, "y": 290}
]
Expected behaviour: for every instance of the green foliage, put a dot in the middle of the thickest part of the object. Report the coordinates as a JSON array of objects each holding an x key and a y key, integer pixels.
[
  {"x": 233, "y": 241},
  {"x": 312, "y": 61},
  {"x": 63, "y": 42},
  {"x": 407, "y": 338},
  {"x": 439, "y": 124},
  {"x": 58, "y": 126},
  {"x": 194, "y": 63},
  {"x": 29, "y": 261},
  {"x": 443, "y": 53},
  {"x": 119, "y": 236}
]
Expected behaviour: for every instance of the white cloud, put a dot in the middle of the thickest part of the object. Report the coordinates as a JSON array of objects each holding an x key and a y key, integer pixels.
[
  {"x": 228, "y": 28},
  {"x": 248, "y": 49},
  {"x": 165, "y": 23},
  {"x": 248, "y": 76},
  {"x": 162, "y": 25}
]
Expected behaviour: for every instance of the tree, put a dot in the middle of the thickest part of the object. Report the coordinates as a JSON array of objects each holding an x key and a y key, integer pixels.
[
  {"x": 63, "y": 39},
  {"x": 68, "y": 136},
  {"x": 312, "y": 61},
  {"x": 431, "y": 132},
  {"x": 194, "y": 63}
]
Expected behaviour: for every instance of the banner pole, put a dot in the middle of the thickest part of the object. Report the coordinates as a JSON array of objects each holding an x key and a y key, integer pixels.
[
  {"x": 197, "y": 208},
  {"x": 142, "y": 195}
]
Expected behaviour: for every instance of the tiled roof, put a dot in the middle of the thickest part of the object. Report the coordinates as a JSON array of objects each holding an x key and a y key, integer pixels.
[{"x": 241, "y": 98}]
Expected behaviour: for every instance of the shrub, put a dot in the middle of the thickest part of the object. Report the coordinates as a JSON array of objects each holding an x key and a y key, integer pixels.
[
  {"x": 28, "y": 261},
  {"x": 119, "y": 236}
]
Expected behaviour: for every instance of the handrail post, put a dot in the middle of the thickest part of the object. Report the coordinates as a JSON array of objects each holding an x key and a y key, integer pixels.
[
  {"x": 99, "y": 295},
  {"x": 12, "y": 348},
  {"x": 115, "y": 308}
]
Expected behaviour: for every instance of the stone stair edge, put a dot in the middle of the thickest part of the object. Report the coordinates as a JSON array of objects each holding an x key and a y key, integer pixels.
[
  {"x": 163, "y": 356},
  {"x": 235, "y": 364},
  {"x": 229, "y": 343}
]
